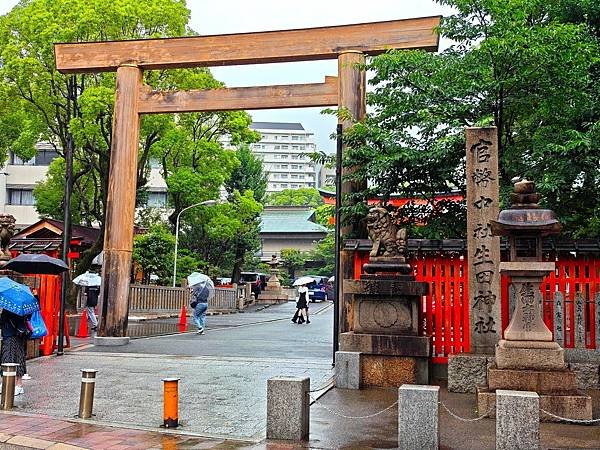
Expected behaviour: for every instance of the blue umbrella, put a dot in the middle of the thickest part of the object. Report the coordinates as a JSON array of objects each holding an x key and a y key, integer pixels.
[{"x": 17, "y": 298}]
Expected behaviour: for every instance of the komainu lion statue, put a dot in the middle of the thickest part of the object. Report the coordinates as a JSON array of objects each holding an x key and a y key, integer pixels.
[
  {"x": 7, "y": 229},
  {"x": 388, "y": 240}
]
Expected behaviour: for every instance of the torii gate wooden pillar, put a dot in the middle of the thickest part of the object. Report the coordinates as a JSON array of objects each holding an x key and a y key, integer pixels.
[{"x": 348, "y": 43}]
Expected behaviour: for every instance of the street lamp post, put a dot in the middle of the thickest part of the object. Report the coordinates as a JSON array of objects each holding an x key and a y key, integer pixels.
[{"x": 207, "y": 203}]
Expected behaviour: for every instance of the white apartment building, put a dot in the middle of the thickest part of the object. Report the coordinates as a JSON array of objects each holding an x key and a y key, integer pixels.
[{"x": 283, "y": 148}]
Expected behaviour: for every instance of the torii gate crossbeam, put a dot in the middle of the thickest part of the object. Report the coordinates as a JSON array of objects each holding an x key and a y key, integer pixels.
[{"x": 347, "y": 43}]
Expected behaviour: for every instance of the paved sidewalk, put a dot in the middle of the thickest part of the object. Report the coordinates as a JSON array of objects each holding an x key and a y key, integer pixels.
[
  {"x": 42, "y": 432},
  {"x": 329, "y": 429}
]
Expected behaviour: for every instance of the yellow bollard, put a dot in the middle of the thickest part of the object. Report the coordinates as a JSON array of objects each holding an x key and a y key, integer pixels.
[
  {"x": 171, "y": 402},
  {"x": 86, "y": 397},
  {"x": 9, "y": 374}
]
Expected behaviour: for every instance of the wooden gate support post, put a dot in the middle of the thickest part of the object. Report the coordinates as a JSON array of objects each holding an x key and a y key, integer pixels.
[
  {"x": 120, "y": 206},
  {"x": 352, "y": 91}
]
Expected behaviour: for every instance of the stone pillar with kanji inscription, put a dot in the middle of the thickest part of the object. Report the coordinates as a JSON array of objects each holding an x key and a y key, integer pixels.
[{"x": 483, "y": 248}]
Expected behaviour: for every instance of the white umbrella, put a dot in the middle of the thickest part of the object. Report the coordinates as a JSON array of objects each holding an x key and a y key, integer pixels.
[
  {"x": 303, "y": 280},
  {"x": 331, "y": 279},
  {"x": 202, "y": 286},
  {"x": 88, "y": 279}
]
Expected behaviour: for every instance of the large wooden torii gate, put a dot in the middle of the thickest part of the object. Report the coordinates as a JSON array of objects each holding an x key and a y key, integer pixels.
[{"x": 348, "y": 44}]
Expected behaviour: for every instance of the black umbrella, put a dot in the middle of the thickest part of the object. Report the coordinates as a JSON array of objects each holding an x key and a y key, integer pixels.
[{"x": 36, "y": 263}]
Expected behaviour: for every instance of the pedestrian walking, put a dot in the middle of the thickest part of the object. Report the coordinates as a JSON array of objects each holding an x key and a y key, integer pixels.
[
  {"x": 301, "y": 314},
  {"x": 91, "y": 301},
  {"x": 200, "y": 304},
  {"x": 14, "y": 340}
]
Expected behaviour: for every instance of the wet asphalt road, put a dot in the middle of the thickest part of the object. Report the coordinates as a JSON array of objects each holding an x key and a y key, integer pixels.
[{"x": 268, "y": 333}]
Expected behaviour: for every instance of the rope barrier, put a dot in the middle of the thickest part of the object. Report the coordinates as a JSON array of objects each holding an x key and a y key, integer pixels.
[
  {"x": 564, "y": 419},
  {"x": 462, "y": 418},
  {"x": 368, "y": 416}
]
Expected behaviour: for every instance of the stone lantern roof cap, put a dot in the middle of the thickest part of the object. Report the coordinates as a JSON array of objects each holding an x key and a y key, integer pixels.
[{"x": 525, "y": 217}]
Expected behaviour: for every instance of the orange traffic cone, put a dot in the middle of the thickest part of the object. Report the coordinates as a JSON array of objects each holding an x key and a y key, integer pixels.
[
  {"x": 183, "y": 319},
  {"x": 82, "y": 332}
]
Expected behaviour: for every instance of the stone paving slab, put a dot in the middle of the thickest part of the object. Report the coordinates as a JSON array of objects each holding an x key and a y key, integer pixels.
[{"x": 218, "y": 397}]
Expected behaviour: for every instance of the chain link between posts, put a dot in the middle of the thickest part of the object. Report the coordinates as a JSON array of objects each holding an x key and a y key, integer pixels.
[
  {"x": 368, "y": 416},
  {"x": 462, "y": 418},
  {"x": 564, "y": 419}
]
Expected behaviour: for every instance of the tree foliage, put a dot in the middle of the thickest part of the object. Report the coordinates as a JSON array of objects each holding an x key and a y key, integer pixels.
[
  {"x": 295, "y": 197},
  {"x": 153, "y": 252},
  {"x": 39, "y": 104},
  {"x": 528, "y": 67},
  {"x": 293, "y": 260}
]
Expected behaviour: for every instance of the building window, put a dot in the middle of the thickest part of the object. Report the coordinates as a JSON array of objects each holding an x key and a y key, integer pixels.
[
  {"x": 295, "y": 138},
  {"x": 157, "y": 200},
  {"x": 302, "y": 176},
  {"x": 301, "y": 167},
  {"x": 284, "y": 147},
  {"x": 302, "y": 147},
  {"x": 45, "y": 157},
  {"x": 284, "y": 166},
  {"x": 295, "y": 156},
  {"x": 294, "y": 176},
  {"x": 284, "y": 185},
  {"x": 20, "y": 197},
  {"x": 277, "y": 147},
  {"x": 284, "y": 156},
  {"x": 17, "y": 161},
  {"x": 293, "y": 186},
  {"x": 294, "y": 166},
  {"x": 284, "y": 175},
  {"x": 294, "y": 147},
  {"x": 285, "y": 138},
  {"x": 275, "y": 175}
]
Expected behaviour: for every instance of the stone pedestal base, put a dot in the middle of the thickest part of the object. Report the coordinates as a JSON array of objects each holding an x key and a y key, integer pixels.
[
  {"x": 388, "y": 360},
  {"x": 272, "y": 297},
  {"x": 577, "y": 406},
  {"x": 533, "y": 355},
  {"x": 558, "y": 382},
  {"x": 393, "y": 371}
]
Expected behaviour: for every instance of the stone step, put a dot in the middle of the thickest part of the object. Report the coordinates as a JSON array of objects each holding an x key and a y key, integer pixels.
[
  {"x": 578, "y": 406},
  {"x": 552, "y": 382}
]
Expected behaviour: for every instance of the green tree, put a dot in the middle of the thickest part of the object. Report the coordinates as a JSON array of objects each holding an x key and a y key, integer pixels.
[
  {"x": 293, "y": 260},
  {"x": 248, "y": 176},
  {"x": 324, "y": 252},
  {"x": 295, "y": 197},
  {"x": 517, "y": 64},
  {"x": 75, "y": 111},
  {"x": 153, "y": 252}
]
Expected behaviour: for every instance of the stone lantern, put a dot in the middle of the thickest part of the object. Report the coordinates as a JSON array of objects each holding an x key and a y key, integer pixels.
[
  {"x": 528, "y": 359},
  {"x": 525, "y": 224},
  {"x": 273, "y": 292}
]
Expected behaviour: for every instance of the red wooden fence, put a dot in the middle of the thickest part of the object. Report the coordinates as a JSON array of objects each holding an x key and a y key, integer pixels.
[{"x": 445, "y": 311}]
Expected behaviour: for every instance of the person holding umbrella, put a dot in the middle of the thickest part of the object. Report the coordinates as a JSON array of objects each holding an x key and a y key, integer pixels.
[
  {"x": 17, "y": 303},
  {"x": 91, "y": 283},
  {"x": 203, "y": 289},
  {"x": 302, "y": 303}
]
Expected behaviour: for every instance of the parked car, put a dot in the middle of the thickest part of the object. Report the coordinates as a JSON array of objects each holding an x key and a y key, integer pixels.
[
  {"x": 257, "y": 279},
  {"x": 317, "y": 290}
]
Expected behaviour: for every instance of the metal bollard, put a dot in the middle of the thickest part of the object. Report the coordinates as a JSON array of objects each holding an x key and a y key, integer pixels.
[
  {"x": 86, "y": 397},
  {"x": 9, "y": 373},
  {"x": 171, "y": 402}
]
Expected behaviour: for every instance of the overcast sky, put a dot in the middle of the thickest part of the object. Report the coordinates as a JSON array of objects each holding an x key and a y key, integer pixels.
[{"x": 237, "y": 16}]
